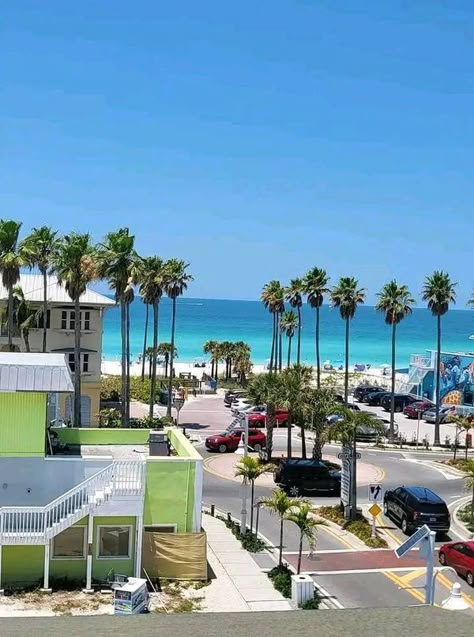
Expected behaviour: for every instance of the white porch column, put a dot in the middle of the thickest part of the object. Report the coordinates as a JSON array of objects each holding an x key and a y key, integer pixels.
[
  {"x": 198, "y": 486},
  {"x": 1, "y": 556},
  {"x": 90, "y": 541},
  {"x": 138, "y": 546},
  {"x": 46, "y": 588}
]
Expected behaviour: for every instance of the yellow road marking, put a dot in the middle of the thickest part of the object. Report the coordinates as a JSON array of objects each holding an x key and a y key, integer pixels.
[
  {"x": 381, "y": 522},
  {"x": 334, "y": 534},
  {"x": 409, "y": 577},
  {"x": 417, "y": 594}
]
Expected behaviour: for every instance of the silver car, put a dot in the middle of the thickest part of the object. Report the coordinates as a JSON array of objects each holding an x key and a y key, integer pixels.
[{"x": 444, "y": 412}]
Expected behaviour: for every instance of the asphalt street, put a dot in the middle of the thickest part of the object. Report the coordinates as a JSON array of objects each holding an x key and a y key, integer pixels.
[{"x": 378, "y": 586}]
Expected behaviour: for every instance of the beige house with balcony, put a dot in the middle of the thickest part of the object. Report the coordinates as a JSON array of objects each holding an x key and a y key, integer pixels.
[{"x": 60, "y": 339}]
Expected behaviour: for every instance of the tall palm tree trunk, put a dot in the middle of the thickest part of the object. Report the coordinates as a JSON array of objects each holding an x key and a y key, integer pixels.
[
  {"x": 300, "y": 551},
  {"x": 289, "y": 352},
  {"x": 170, "y": 384},
  {"x": 77, "y": 363},
  {"x": 123, "y": 328},
  {"x": 10, "y": 319},
  {"x": 45, "y": 309},
  {"x": 167, "y": 362},
  {"x": 318, "y": 359},
  {"x": 303, "y": 439},
  {"x": 272, "y": 355},
  {"x": 346, "y": 372},
  {"x": 280, "y": 553},
  {"x": 150, "y": 359},
  {"x": 26, "y": 338},
  {"x": 154, "y": 355},
  {"x": 288, "y": 440},
  {"x": 298, "y": 355},
  {"x": 280, "y": 360},
  {"x": 391, "y": 434},
  {"x": 126, "y": 422},
  {"x": 145, "y": 336},
  {"x": 438, "y": 373}
]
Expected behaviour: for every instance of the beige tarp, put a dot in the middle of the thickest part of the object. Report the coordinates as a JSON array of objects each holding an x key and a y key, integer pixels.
[{"x": 175, "y": 555}]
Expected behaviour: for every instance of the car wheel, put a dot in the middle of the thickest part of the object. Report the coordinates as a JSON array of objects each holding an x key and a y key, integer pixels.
[
  {"x": 222, "y": 448},
  {"x": 294, "y": 491},
  {"x": 398, "y": 408},
  {"x": 405, "y": 527},
  {"x": 470, "y": 578},
  {"x": 442, "y": 559},
  {"x": 257, "y": 447}
]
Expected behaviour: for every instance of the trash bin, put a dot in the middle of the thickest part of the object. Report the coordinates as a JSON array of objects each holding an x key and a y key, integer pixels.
[
  {"x": 302, "y": 589},
  {"x": 158, "y": 443},
  {"x": 213, "y": 384}
]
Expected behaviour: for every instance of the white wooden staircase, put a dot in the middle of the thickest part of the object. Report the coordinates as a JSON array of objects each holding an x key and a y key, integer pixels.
[{"x": 38, "y": 525}]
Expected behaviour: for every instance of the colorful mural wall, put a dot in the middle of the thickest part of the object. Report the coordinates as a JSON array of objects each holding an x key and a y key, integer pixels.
[{"x": 457, "y": 379}]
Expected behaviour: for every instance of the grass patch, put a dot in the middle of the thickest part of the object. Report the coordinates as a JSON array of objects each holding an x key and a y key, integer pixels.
[
  {"x": 175, "y": 599},
  {"x": 459, "y": 463},
  {"x": 359, "y": 527},
  {"x": 465, "y": 515}
]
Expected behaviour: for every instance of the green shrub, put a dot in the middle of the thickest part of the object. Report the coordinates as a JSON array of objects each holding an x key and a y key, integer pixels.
[
  {"x": 312, "y": 604},
  {"x": 360, "y": 527},
  {"x": 110, "y": 418},
  {"x": 282, "y": 583},
  {"x": 252, "y": 543},
  {"x": 465, "y": 515},
  {"x": 278, "y": 570}
]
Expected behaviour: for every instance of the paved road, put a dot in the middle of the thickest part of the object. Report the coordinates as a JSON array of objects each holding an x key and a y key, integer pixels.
[{"x": 380, "y": 581}]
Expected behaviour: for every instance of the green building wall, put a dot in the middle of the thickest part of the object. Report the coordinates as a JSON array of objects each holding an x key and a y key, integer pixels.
[{"x": 22, "y": 424}]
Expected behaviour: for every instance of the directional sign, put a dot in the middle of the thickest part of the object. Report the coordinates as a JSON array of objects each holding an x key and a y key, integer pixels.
[
  {"x": 375, "y": 510},
  {"x": 178, "y": 403},
  {"x": 346, "y": 476},
  {"x": 375, "y": 492},
  {"x": 413, "y": 540}
]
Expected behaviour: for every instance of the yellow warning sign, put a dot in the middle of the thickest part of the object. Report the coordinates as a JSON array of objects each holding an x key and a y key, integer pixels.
[{"x": 375, "y": 510}]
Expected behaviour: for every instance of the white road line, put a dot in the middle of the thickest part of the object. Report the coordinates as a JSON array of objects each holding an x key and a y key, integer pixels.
[{"x": 397, "y": 569}]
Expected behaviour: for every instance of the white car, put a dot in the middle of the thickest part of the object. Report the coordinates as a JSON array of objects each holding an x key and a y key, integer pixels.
[{"x": 243, "y": 404}]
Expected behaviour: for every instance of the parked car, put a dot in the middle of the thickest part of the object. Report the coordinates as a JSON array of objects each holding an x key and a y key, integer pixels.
[
  {"x": 417, "y": 408},
  {"x": 375, "y": 397},
  {"x": 298, "y": 476},
  {"x": 229, "y": 440},
  {"x": 362, "y": 390},
  {"x": 444, "y": 412},
  {"x": 260, "y": 420},
  {"x": 460, "y": 556},
  {"x": 401, "y": 401},
  {"x": 414, "y": 506},
  {"x": 242, "y": 404},
  {"x": 231, "y": 395}
]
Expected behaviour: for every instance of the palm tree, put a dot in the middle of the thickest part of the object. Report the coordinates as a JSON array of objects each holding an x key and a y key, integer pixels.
[
  {"x": 469, "y": 482},
  {"x": 302, "y": 516},
  {"x": 295, "y": 384},
  {"x": 249, "y": 469},
  {"x": 293, "y": 294},
  {"x": 241, "y": 361},
  {"x": 272, "y": 298},
  {"x": 75, "y": 265},
  {"x": 26, "y": 316},
  {"x": 320, "y": 404},
  {"x": 11, "y": 260},
  {"x": 346, "y": 431},
  {"x": 280, "y": 504},
  {"x": 439, "y": 291},
  {"x": 227, "y": 350},
  {"x": 164, "y": 349},
  {"x": 40, "y": 247},
  {"x": 267, "y": 389},
  {"x": 461, "y": 423},
  {"x": 288, "y": 324},
  {"x": 208, "y": 348},
  {"x": 395, "y": 302},
  {"x": 151, "y": 289},
  {"x": 175, "y": 282},
  {"x": 119, "y": 264},
  {"x": 347, "y": 296},
  {"x": 315, "y": 286}
]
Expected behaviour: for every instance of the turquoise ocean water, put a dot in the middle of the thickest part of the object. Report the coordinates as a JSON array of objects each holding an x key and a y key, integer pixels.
[{"x": 199, "y": 320}]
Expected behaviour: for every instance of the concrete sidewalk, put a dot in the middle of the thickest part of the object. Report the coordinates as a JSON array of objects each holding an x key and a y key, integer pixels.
[{"x": 238, "y": 584}]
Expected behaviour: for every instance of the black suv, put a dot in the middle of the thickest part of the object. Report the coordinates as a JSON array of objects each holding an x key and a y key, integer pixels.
[
  {"x": 374, "y": 398},
  {"x": 414, "y": 506},
  {"x": 361, "y": 392},
  {"x": 298, "y": 476},
  {"x": 401, "y": 401}
]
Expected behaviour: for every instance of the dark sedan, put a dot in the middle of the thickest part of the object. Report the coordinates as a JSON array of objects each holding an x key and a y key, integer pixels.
[
  {"x": 374, "y": 399},
  {"x": 361, "y": 392}
]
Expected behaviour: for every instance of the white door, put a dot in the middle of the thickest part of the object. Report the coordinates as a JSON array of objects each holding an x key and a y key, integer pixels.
[{"x": 85, "y": 410}]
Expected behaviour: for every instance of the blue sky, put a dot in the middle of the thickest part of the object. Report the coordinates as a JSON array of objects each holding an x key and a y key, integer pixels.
[{"x": 253, "y": 139}]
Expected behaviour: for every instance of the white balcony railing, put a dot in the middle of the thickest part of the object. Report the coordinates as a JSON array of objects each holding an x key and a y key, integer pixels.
[{"x": 37, "y": 525}]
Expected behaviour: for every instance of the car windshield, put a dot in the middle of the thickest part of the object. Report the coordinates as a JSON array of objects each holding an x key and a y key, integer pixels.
[{"x": 431, "y": 507}]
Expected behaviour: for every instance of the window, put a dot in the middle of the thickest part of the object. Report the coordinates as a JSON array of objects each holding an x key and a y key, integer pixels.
[
  {"x": 70, "y": 544},
  {"x": 84, "y": 362},
  {"x": 68, "y": 320},
  {"x": 160, "y": 528},
  {"x": 114, "y": 542}
]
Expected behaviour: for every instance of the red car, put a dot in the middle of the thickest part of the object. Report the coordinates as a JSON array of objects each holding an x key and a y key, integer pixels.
[
  {"x": 459, "y": 555},
  {"x": 229, "y": 440},
  {"x": 419, "y": 407},
  {"x": 260, "y": 420}
]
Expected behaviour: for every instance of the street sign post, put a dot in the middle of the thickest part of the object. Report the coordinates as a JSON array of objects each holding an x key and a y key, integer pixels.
[
  {"x": 375, "y": 493},
  {"x": 374, "y": 512},
  {"x": 178, "y": 404},
  {"x": 426, "y": 539}
]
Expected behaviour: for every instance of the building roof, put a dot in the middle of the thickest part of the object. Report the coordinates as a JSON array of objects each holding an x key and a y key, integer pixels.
[
  {"x": 21, "y": 371},
  {"x": 32, "y": 286},
  {"x": 366, "y": 622}
]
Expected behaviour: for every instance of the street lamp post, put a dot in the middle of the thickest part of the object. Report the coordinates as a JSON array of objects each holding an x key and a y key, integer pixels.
[{"x": 242, "y": 450}]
